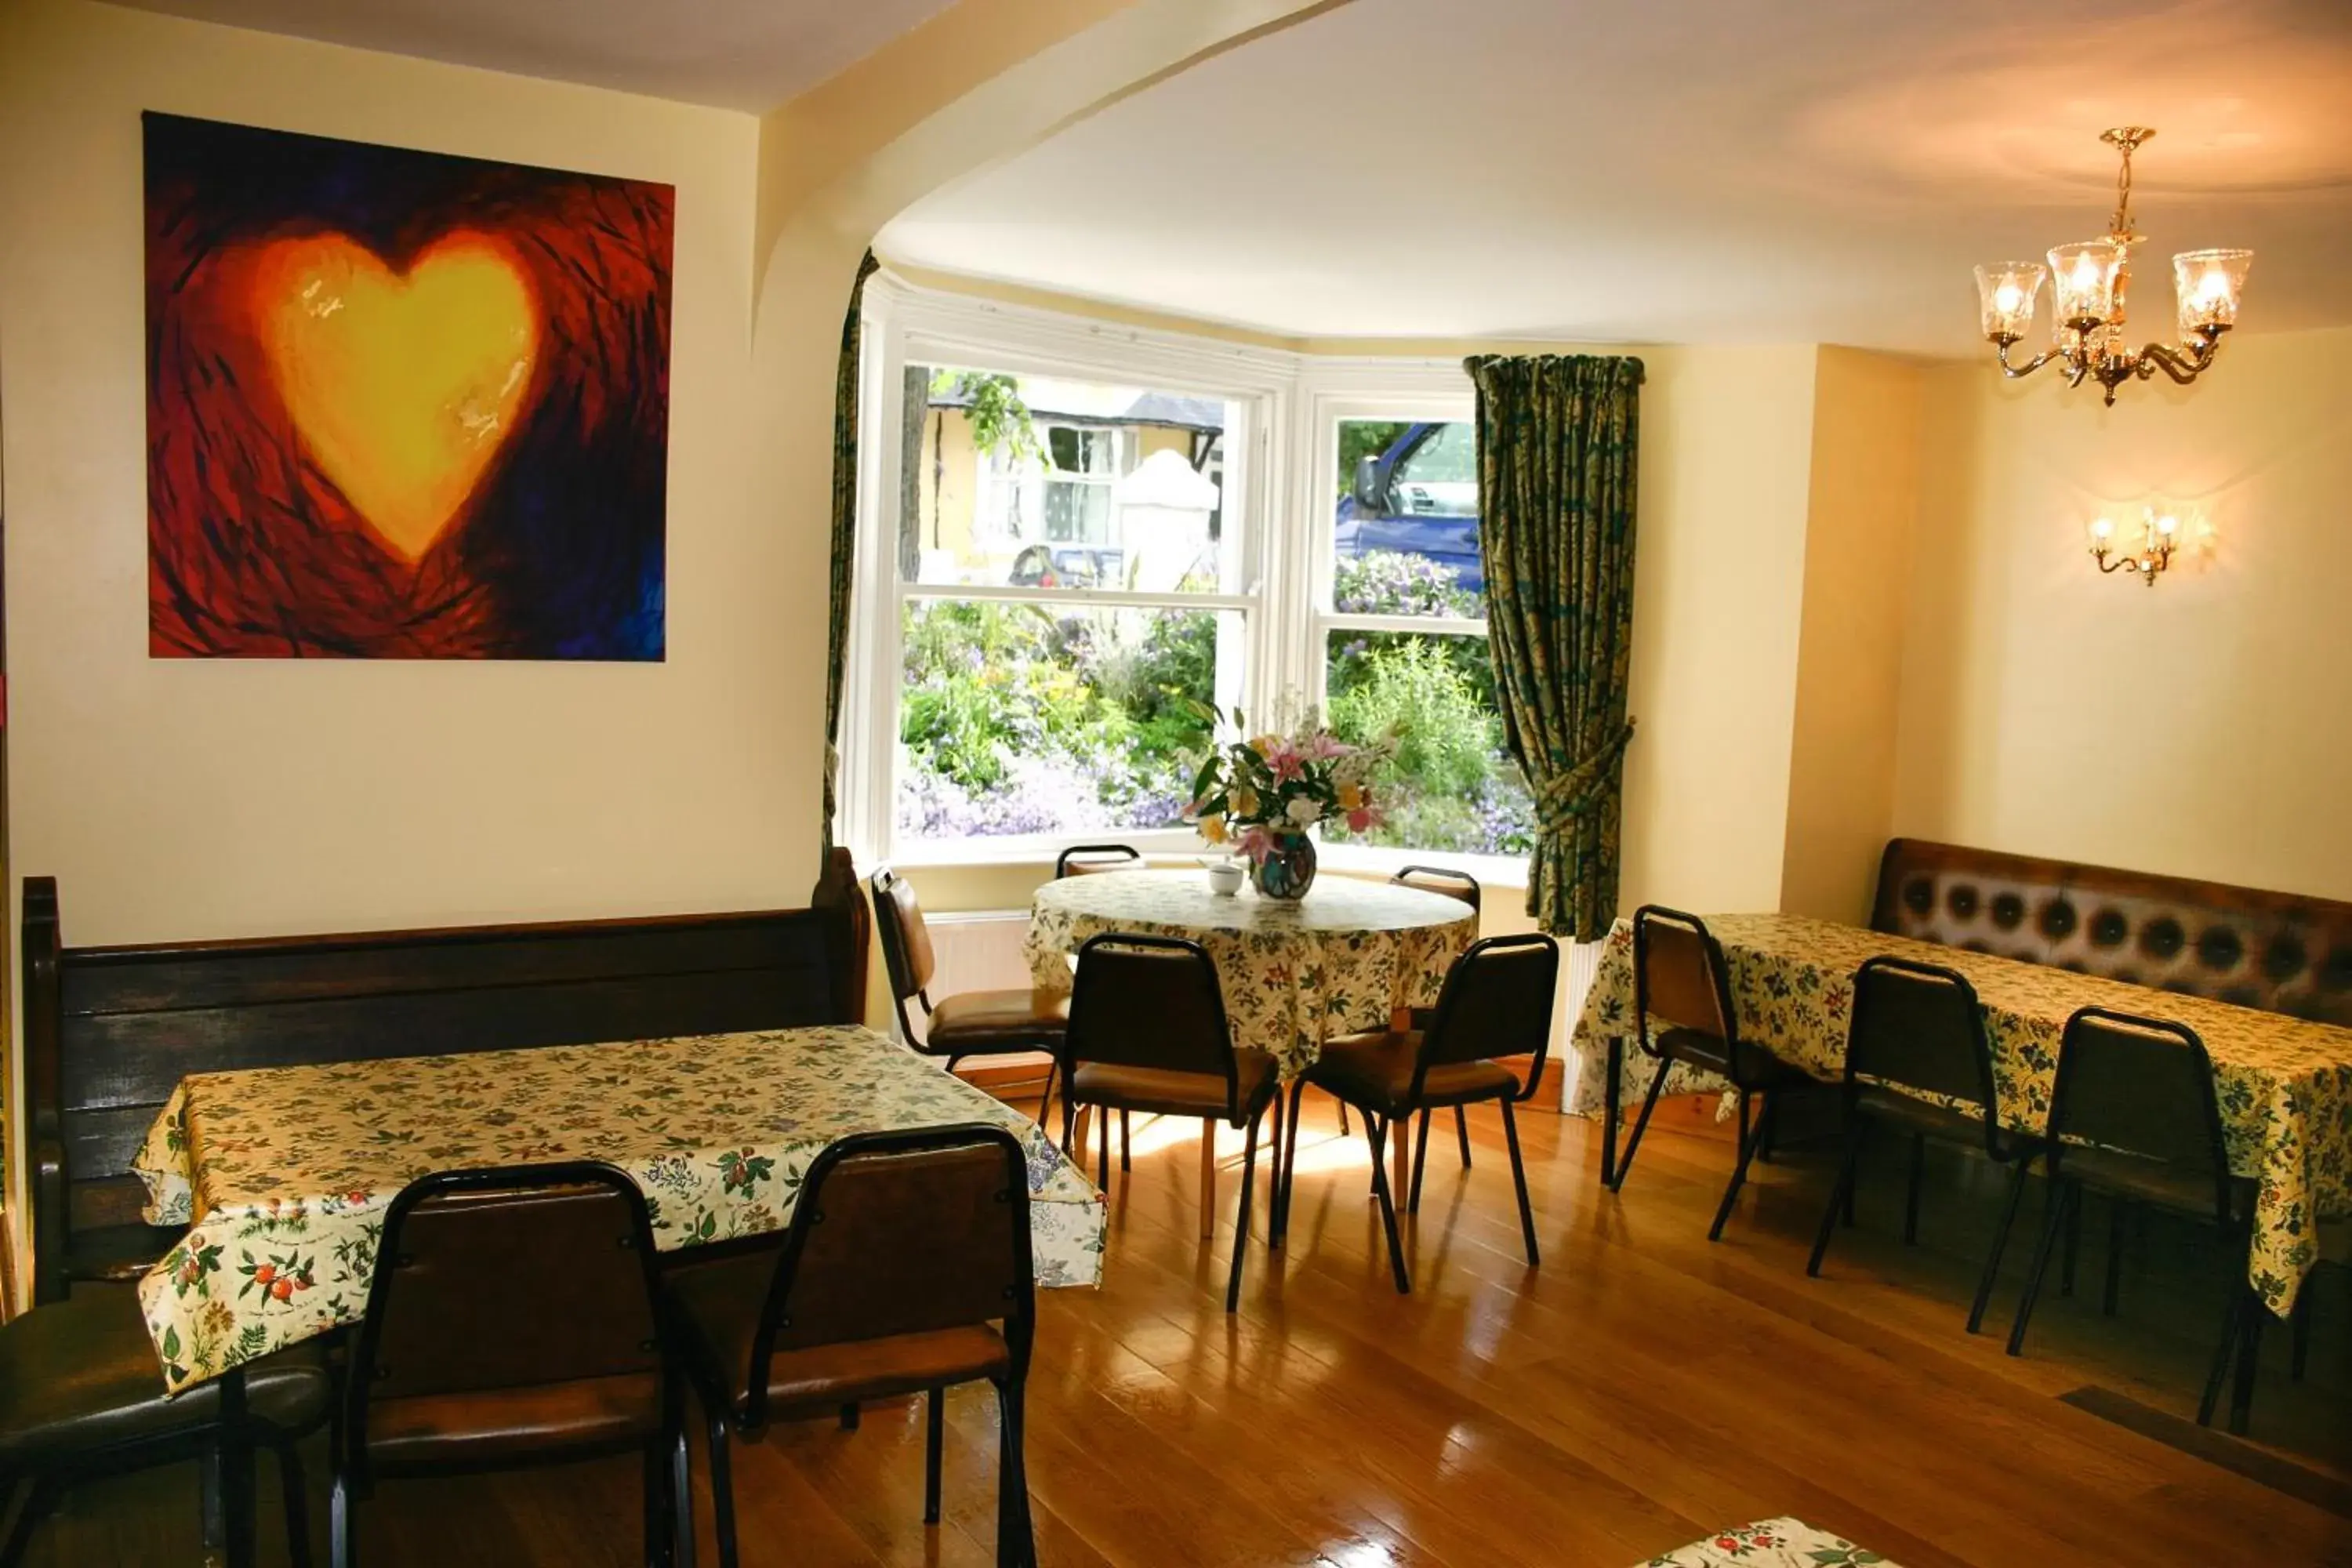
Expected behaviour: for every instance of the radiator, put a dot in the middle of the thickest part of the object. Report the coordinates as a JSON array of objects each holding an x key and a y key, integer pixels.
[
  {"x": 1583, "y": 962},
  {"x": 978, "y": 950}
]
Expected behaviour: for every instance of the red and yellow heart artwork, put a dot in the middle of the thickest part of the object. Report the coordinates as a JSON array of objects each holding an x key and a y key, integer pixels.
[{"x": 401, "y": 405}]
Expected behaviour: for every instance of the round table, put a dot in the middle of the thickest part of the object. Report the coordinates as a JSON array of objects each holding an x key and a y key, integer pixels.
[{"x": 1344, "y": 958}]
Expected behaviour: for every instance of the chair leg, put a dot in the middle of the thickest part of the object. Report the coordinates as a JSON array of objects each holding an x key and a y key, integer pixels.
[
  {"x": 1273, "y": 1194},
  {"x": 40, "y": 1497},
  {"x": 1377, "y": 1135},
  {"x": 1343, "y": 1117},
  {"x": 658, "y": 1538},
  {"x": 342, "y": 1529},
  {"x": 2074, "y": 1244},
  {"x": 1462, "y": 1131},
  {"x": 722, "y": 1490},
  {"x": 849, "y": 1414},
  {"x": 1519, "y": 1180},
  {"x": 1016, "y": 1539},
  {"x": 1126, "y": 1143},
  {"x": 2231, "y": 1312},
  {"x": 1911, "y": 1193},
  {"x": 1739, "y": 1170},
  {"x": 1045, "y": 1100},
  {"x": 681, "y": 1492},
  {"x": 2250, "y": 1348},
  {"x": 2301, "y": 1325},
  {"x": 2053, "y": 1220},
  {"x": 294, "y": 1481},
  {"x": 2110, "y": 1297},
  {"x": 1991, "y": 1274},
  {"x": 1641, "y": 1124},
  {"x": 1854, "y": 1137},
  {"x": 1289, "y": 1163},
  {"x": 1419, "y": 1164},
  {"x": 1102, "y": 1146},
  {"x": 1241, "y": 1217},
  {"x": 935, "y": 1429}
]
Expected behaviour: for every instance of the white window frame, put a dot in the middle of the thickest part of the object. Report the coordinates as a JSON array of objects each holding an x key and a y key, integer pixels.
[{"x": 1280, "y": 470}]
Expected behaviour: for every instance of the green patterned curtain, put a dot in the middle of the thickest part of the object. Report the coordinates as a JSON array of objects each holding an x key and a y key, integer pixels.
[
  {"x": 1556, "y": 456},
  {"x": 844, "y": 539}
]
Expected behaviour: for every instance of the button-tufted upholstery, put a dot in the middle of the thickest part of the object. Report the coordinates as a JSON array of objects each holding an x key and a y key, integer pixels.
[{"x": 2279, "y": 952}]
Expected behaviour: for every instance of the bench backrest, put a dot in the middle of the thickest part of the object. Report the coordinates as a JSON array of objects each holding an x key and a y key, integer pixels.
[
  {"x": 2279, "y": 952},
  {"x": 111, "y": 1030}
]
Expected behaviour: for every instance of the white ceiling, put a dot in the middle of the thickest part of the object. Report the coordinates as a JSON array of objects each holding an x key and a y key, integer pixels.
[
  {"x": 732, "y": 54},
  {"x": 1680, "y": 170}
]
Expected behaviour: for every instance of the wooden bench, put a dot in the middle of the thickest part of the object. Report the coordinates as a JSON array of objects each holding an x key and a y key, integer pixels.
[{"x": 108, "y": 1031}]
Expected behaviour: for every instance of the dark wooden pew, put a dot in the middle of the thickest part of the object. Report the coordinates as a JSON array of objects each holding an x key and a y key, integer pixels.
[{"x": 110, "y": 1030}]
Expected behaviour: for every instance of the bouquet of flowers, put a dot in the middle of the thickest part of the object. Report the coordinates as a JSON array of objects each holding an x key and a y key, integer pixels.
[{"x": 1252, "y": 793}]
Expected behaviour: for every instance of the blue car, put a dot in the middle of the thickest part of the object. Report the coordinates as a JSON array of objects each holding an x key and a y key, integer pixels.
[{"x": 1419, "y": 498}]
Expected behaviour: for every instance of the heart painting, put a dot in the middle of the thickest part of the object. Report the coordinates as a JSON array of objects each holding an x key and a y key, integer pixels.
[{"x": 400, "y": 405}]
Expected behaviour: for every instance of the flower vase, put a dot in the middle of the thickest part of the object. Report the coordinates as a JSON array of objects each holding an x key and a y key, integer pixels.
[{"x": 1288, "y": 868}]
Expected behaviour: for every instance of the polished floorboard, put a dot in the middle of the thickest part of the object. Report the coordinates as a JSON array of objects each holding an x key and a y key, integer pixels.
[{"x": 1639, "y": 1389}]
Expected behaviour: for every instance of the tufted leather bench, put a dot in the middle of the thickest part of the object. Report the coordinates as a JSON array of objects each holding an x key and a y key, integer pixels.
[{"x": 2278, "y": 952}]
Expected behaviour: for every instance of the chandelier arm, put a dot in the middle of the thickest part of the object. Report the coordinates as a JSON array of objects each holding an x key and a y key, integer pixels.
[
  {"x": 2182, "y": 367},
  {"x": 2014, "y": 372}
]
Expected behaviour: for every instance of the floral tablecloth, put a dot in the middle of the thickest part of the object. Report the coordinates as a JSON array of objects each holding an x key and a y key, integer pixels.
[
  {"x": 2285, "y": 1084},
  {"x": 1293, "y": 974},
  {"x": 1771, "y": 1543},
  {"x": 284, "y": 1173}
]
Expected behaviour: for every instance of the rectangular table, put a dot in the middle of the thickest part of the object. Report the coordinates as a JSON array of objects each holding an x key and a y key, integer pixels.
[
  {"x": 283, "y": 1173},
  {"x": 2284, "y": 1084}
]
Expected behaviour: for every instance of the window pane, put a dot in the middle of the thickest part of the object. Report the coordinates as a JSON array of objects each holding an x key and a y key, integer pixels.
[
  {"x": 1453, "y": 785},
  {"x": 1038, "y": 482},
  {"x": 1031, "y": 718},
  {"x": 1405, "y": 532}
]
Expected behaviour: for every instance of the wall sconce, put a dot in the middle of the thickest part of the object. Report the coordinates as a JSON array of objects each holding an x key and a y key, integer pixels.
[{"x": 2158, "y": 533}]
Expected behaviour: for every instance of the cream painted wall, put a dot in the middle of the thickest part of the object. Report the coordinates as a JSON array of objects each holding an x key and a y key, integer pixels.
[
  {"x": 2195, "y": 727},
  {"x": 1858, "y": 548},
  {"x": 199, "y": 798}
]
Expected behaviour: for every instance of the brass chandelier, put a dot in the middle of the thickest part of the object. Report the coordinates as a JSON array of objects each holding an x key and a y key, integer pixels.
[{"x": 2087, "y": 283}]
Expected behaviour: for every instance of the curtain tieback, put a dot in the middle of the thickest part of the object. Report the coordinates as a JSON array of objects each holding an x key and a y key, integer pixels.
[{"x": 1568, "y": 795}]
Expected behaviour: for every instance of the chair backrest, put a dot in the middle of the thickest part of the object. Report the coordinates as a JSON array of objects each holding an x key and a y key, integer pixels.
[
  {"x": 506, "y": 1278},
  {"x": 1439, "y": 880},
  {"x": 1079, "y": 859},
  {"x": 1149, "y": 1001},
  {"x": 1497, "y": 1002},
  {"x": 2139, "y": 1086},
  {"x": 906, "y": 943},
  {"x": 904, "y": 1232},
  {"x": 1917, "y": 1025},
  {"x": 1679, "y": 974}
]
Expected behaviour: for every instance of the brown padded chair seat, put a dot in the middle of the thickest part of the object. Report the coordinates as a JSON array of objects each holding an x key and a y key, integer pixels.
[
  {"x": 2167, "y": 1185},
  {"x": 718, "y": 1311},
  {"x": 1756, "y": 1064},
  {"x": 1376, "y": 1068},
  {"x": 1910, "y": 1113},
  {"x": 979, "y": 1020},
  {"x": 499, "y": 1426},
  {"x": 1164, "y": 1092},
  {"x": 80, "y": 1374}
]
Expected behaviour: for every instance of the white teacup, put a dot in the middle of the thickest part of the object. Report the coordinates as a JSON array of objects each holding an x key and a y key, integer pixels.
[{"x": 1225, "y": 878}]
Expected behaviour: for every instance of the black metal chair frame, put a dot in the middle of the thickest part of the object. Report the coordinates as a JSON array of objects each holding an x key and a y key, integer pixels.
[
  {"x": 2242, "y": 1322},
  {"x": 1237, "y": 1114},
  {"x": 1377, "y": 1119},
  {"x": 1015, "y": 1534},
  {"x": 2003, "y": 1149},
  {"x": 894, "y": 963},
  {"x": 1112, "y": 853},
  {"x": 1755, "y": 1133},
  {"x": 223, "y": 1445},
  {"x": 1461, "y": 880},
  {"x": 669, "y": 1491}
]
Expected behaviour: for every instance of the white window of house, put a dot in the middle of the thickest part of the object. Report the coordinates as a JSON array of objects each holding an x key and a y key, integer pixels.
[{"x": 1079, "y": 538}]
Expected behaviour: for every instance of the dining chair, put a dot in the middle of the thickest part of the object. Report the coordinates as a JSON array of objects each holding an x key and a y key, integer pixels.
[
  {"x": 1451, "y": 884},
  {"x": 1497, "y": 1002},
  {"x": 514, "y": 1319},
  {"x": 82, "y": 1398},
  {"x": 1918, "y": 1063},
  {"x": 1681, "y": 981},
  {"x": 970, "y": 1023},
  {"x": 1081, "y": 860},
  {"x": 2135, "y": 1117},
  {"x": 906, "y": 1268},
  {"x": 1147, "y": 1033}
]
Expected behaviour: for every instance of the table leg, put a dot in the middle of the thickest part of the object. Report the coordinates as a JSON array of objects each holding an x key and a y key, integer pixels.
[
  {"x": 225, "y": 1479},
  {"x": 1400, "y": 1136},
  {"x": 1078, "y": 1129},
  {"x": 1612, "y": 1093},
  {"x": 1208, "y": 1178}
]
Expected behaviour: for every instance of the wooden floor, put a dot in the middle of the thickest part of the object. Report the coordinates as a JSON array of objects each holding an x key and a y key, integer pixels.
[{"x": 1638, "y": 1390}]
